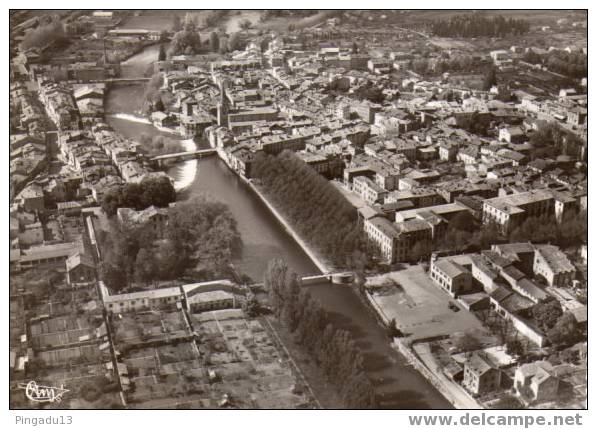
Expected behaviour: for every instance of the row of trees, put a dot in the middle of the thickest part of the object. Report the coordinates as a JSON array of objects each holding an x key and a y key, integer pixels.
[
  {"x": 464, "y": 234},
  {"x": 201, "y": 235},
  {"x": 316, "y": 208},
  {"x": 571, "y": 64},
  {"x": 462, "y": 63},
  {"x": 151, "y": 191},
  {"x": 333, "y": 349},
  {"x": 571, "y": 231},
  {"x": 477, "y": 25}
]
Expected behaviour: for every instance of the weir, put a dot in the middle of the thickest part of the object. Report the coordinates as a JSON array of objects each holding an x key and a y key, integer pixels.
[{"x": 182, "y": 156}]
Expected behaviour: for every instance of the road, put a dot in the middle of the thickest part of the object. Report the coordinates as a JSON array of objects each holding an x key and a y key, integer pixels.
[{"x": 458, "y": 395}]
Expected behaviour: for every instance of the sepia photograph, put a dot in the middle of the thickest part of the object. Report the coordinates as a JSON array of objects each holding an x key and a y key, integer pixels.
[{"x": 298, "y": 209}]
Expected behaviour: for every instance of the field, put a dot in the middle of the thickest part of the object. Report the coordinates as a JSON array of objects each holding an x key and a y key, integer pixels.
[
  {"x": 231, "y": 362},
  {"x": 419, "y": 307}
]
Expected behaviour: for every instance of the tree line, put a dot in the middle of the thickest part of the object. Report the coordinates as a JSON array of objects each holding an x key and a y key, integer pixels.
[
  {"x": 571, "y": 64},
  {"x": 200, "y": 238},
  {"x": 320, "y": 213},
  {"x": 464, "y": 233},
  {"x": 477, "y": 25},
  {"x": 333, "y": 349},
  {"x": 462, "y": 63},
  {"x": 151, "y": 191}
]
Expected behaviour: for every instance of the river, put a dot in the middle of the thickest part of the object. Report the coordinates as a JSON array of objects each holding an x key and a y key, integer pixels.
[{"x": 399, "y": 385}]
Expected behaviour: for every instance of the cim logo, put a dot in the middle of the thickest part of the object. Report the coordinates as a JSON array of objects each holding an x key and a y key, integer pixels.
[{"x": 37, "y": 393}]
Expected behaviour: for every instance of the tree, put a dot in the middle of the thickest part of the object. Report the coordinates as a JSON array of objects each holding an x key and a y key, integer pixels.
[
  {"x": 264, "y": 44},
  {"x": 162, "y": 54},
  {"x": 159, "y": 106},
  {"x": 176, "y": 23},
  {"x": 146, "y": 268},
  {"x": 515, "y": 347},
  {"x": 251, "y": 306},
  {"x": 114, "y": 277},
  {"x": 245, "y": 24},
  {"x": 274, "y": 282},
  {"x": 152, "y": 90},
  {"x": 546, "y": 314},
  {"x": 171, "y": 260},
  {"x": 463, "y": 221},
  {"x": 156, "y": 191},
  {"x": 468, "y": 343},
  {"x": 185, "y": 42},
  {"x": 565, "y": 331},
  {"x": 214, "y": 41},
  {"x": 490, "y": 78},
  {"x": 205, "y": 230},
  {"x": 371, "y": 93},
  {"x": 235, "y": 42}
]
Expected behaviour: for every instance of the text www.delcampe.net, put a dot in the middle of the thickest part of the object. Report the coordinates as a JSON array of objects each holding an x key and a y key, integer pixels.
[{"x": 486, "y": 419}]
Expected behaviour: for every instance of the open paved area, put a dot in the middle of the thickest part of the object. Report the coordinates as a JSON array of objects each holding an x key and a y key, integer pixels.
[{"x": 419, "y": 307}]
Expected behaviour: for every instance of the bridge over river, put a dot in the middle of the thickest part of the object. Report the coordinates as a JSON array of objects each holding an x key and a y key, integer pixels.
[
  {"x": 182, "y": 156},
  {"x": 335, "y": 278}
]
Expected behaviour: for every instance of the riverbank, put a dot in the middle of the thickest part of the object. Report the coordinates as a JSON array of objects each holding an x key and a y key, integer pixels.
[
  {"x": 317, "y": 259},
  {"x": 407, "y": 353}
]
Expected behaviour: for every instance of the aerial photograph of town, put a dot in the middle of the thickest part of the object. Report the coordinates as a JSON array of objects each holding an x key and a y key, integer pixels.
[{"x": 298, "y": 209}]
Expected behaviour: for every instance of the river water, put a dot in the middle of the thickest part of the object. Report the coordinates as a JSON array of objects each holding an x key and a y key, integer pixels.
[{"x": 399, "y": 386}]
